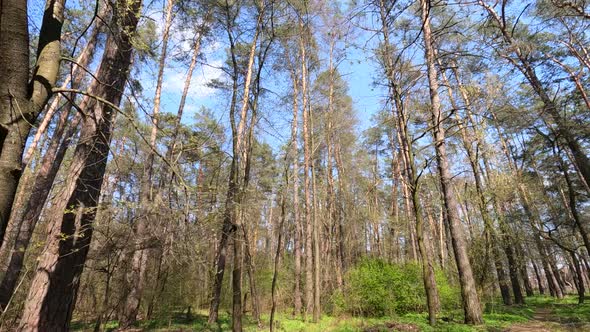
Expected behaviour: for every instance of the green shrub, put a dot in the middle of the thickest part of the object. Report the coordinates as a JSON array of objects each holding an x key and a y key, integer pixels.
[{"x": 376, "y": 288}]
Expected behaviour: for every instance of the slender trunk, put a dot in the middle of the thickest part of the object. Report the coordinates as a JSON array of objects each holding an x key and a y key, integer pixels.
[
  {"x": 316, "y": 232},
  {"x": 538, "y": 277},
  {"x": 428, "y": 276},
  {"x": 230, "y": 218},
  {"x": 52, "y": 296},
  {"x": 277, "y": 260},
  {"x": 136, "y": 275},
  {"x": 432, "y": 297},
  {"x": 489, "y": 226},
  {"x": 298, "y": 232},
  {"x": 579, "y": 277},
  {"x": 308, "y": 291},
  {"x": 471, "y": 304}
]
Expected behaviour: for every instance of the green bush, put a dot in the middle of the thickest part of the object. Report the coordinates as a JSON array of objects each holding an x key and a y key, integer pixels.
[{"x": 376, "y": 288}]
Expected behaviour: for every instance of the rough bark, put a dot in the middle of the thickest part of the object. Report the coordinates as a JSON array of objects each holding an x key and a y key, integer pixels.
[
  {"x": 32, "y": 204},
  {"x": 539, "y": 280},
  {"x": 579, "y": 277},
  {"x": 513, "y": 271},
  {"x": 52, "y": 296}
]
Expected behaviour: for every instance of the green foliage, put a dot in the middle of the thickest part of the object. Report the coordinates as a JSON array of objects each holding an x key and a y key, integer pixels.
[{"x": 376, "y": 288}]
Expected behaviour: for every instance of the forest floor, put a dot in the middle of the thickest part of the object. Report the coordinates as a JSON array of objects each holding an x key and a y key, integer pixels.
[{"x": 540, "y": 314}]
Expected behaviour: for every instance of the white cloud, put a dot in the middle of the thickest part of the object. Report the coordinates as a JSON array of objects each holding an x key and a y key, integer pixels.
[{"x": 202, "y": 75}]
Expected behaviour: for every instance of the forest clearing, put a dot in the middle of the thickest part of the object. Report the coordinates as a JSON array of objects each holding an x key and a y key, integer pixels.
[{"x": 294, "y": 165}]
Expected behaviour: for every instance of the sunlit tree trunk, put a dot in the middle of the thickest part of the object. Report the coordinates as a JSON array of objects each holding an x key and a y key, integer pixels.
[
  {"x": 52, "y": 295},
  {"x": 21, "y": 100},
  {"x": 491, "y": 236},
  {"x": 471, "y": 304},
  {"x": 27, "y": 208}
]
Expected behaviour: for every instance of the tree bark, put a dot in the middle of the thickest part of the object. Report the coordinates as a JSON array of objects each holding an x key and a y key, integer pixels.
[
  {"x": 539, "y": 280},
  {"x": 22, "y": 100},
  {"x": 471, "y": 304},
  {"x": 31, "y": 205},
  {"x": 52, "y": 296},
  {"x": 308, "y": 291},
  {"x": 579, "y": 277}
]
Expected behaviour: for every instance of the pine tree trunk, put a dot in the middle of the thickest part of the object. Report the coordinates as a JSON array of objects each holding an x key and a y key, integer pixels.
[
  {"x": 489, "y": 226},
  {"x": 298, "y": 232},
  {"x": 31, "y": 205},
  {"x": 513, "y": 271},
  {"x": 579, "y": 277},
  {"x": 52, "y": 296},
  {"x": 471, "y": 304},
  {"x": 539, "y": 280},
  {"x": 308, "y": 291}
]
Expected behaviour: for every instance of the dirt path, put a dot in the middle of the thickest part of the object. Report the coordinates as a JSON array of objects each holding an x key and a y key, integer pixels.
[{"x": 545, "y": 321}]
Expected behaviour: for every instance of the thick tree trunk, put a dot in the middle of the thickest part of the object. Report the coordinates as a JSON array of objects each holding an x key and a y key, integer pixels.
[
  {"x": 52, "y": 296},
  {"x": 21, "y": 101},
  {"x": 471, "y": 304},
  {"x": 27, "y": 210},
  {"x": 33, "y": 204}
]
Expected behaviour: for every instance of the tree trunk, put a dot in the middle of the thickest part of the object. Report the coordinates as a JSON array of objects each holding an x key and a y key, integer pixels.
[
  {"x": 579, "y": 277},
  {"x": 277, "y": 258},
  {"x": 136, "y": 275},
  {"x": 31, "y": 205},
  {"x": 308, "y": 291},
  {"x": 513, "y": 270},
  {"x": 549, "y": 107},
  {"x": 52, "y": 296},
  {"x": 230, "y": 218},
  {"x": 489, "y": 226},
  {"x": 22, "y": 100},
  {"x": 471, "y": 304},
  {"x": 298, "y": 233}
]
